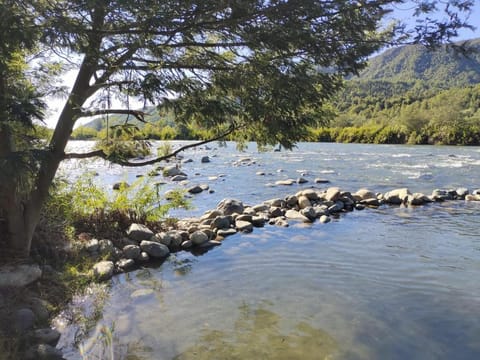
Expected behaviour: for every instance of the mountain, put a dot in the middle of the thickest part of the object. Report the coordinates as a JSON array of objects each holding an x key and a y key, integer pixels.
[
  {"x": 443, "y": 67},
  {"x": 406, "y": 74}
]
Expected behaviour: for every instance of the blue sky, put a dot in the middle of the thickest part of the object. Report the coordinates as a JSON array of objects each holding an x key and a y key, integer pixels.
[{"x": 404, "y": 13}]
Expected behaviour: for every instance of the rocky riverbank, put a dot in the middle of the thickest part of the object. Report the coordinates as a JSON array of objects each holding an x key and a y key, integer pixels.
[{"x": 29, "y": 314}]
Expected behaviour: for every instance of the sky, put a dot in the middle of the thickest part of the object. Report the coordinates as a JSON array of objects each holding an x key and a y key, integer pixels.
[
  {"x": 404, "y": 14},
  {"x": 401, "y": 12}
]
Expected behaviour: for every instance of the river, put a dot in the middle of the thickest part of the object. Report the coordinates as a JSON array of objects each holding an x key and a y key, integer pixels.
[{"x": 387, "y": 283}]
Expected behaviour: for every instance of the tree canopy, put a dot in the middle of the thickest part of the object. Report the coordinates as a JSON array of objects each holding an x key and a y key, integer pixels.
[{"x": 260, "y": 68}]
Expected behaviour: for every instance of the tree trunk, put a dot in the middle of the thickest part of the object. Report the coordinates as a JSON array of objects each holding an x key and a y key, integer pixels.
[{"x": 17, "y": 229}]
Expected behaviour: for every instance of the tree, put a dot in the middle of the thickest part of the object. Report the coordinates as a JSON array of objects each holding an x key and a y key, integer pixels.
[{"x": 261, "y": 69}]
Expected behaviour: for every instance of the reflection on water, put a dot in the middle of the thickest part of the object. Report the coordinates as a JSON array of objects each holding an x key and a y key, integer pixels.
[{"x": 257, "y": 334}]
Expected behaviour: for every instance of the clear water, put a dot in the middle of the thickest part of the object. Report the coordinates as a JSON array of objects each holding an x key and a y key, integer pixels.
[{"x": 391, "y": 283}]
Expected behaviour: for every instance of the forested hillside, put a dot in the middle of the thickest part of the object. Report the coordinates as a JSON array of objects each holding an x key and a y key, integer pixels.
[{"x": 411, "y": 94}]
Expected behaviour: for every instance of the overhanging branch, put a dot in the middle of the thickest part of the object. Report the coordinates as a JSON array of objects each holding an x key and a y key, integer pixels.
[
  {"x": 140, "y": 115},
  {"x": 103, "y": 155}
]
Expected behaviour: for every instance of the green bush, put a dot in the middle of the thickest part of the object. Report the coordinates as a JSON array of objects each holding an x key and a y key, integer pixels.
[{"x": 87, "y": 207}]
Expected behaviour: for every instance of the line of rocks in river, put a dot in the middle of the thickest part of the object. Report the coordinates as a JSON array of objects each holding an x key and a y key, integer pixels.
[{"x": 232, "y": 216}]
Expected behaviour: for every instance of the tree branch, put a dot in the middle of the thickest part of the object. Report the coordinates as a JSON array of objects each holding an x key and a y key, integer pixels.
[
  {"x": 103, "y": 155},
  {"x": 140, "y": 115}
]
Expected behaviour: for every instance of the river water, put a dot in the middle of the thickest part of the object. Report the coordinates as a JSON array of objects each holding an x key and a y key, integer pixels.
[{"x": 389, "y": 283}]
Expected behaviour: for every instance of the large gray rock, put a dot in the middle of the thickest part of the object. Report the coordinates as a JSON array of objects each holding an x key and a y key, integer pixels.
[
  {"x": 230, "y": 206},
  {"x": 205, "y": 159},
  {"x": 226, "y": 232},
  {"x": 221, "y": 222},
  {"x": 92, "y": 246},
  {"x": 139, "y": 232},
  {"x": 461, "y": 193},
  {"x": 397, "y": 196},
  {"x": 291, "y": 200},
  {"x": 309, "y": 212},
  {"x": 332, "y": 194},
  {"x": 275, "y": 203},
  {"x": 417, "y": 199},
  {"x": 311, "y": 194},
  {"x": 126, "y": 264},
  {"x": 338, "y": 206},
  {"x": 364, "y": 194},
  {"x": 258, "y": 221},
  {"x": 275, "y": 212},
  {"x": 303, "y": 202},
  {"x": 198, "y": 237},
  {"x": 154, "y": 249},
  {"x": 132, "y": 252},
  {"x": 174, "y": 237},
  {"x": 295, "y": 215},
  {"x": 197, "y": 189},
  {"x": 105, "y": 246},
  {"x": 103, "y": 270},
  {"x": 243, "y": 226},
  {"x": 472, "y": 197},
  {"x": 19, "y": 275},
  {"x": 260, "y": 208}
]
